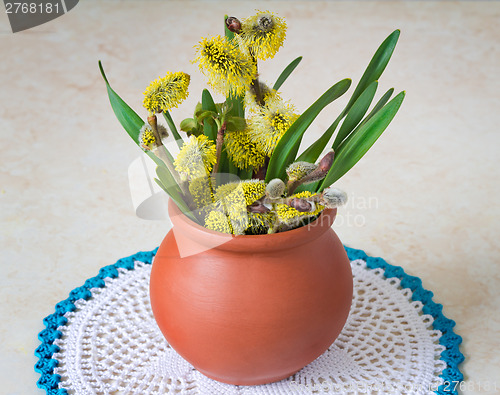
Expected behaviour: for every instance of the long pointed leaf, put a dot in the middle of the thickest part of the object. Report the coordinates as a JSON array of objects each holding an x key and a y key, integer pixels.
[
  {"x": 226, "y": 166},
  {"x": 168, "y": 182},
  {"x": 312, "y": 153},
  {"x": 236, "y": 104},
  {"x": 131, "y": 122},
  {"x": 180, "y": 203},
  {"x": 380, "y": 104},
  {"x": 246, "y": 174},
  {"x": 288, "y": 146},
  {"x": 375, "y": 67},
  {"x": 372, "y": 73},
  {"x": 155, "y": 159},
  {"x": 361, "y": 141},
  {"x": 286, "y": 73},
  {"x": 171, "y": 125},
  {"x": 207, "y": 104},
  {"x": 173, "y": 190},
  {"x": 356, "y": 113}
]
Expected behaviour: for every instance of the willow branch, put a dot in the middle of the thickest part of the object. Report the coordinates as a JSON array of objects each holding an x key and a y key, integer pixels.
[
  {"x": 256, "y": 84},
  {"x": 219, "y": 142}
]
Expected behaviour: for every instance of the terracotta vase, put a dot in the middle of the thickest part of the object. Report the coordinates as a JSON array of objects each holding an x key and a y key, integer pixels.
[{"x": 250, "y": 310}]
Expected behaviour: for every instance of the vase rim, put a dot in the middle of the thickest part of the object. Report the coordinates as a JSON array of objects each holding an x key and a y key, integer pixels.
[{"x": 275, "y": 241}]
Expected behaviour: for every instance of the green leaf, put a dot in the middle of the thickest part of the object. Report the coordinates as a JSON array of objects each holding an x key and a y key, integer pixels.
[
  {"x": 206, "y": 114},
  {"x": 207, "y": 104},
  {"x": 234, "y": 124},
  {"x": 198, "y": 110},
  {"x": 356, "y": 113},
  {"x": 286, "y": 73},
  {"x": 246, "y": 174},
  {"x": 171, "y": 125},
  {"x": 371, "y": 74},
  {"x": 226, "y": 166},
  {"x": 288, "y": 146},
  {"x": 131, "y": 122},
  {"x": 225, "y": 163},
  {"x": 236, "y": 106},
  {"x": 312, "y": 153},
  {"x": 155, "y": 159},
  {"x": 381, "y": 103},
  {"x": 168, "y": 184},
  {"x": 188, "y": 124},
  {"x": 180, "y": 203},
  {"x": 375, "y": 67},
  {"x": 361, "y": 141},
  {"x": 231, "y": 167},
  {"x": 311, "y": 187}
]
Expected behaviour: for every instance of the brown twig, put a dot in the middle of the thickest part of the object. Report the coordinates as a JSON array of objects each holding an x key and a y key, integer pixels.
[
  {"x": 293, "y": 185},
  {"x": 153, "y": 122},
  {"x": 256, "y": 84},
  {"x": 219, "y": 142},
  {"x": 260, "y": 173}
]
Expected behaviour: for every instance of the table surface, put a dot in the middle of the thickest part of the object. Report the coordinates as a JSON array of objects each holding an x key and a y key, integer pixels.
[{"x": 425, "y": 197}]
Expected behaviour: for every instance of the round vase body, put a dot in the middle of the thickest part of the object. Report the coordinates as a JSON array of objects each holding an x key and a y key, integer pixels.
[{"x": 250, "y": 310}]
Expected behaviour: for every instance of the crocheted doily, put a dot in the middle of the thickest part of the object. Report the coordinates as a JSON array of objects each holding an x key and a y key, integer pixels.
[{"x": 104, "y": 340}]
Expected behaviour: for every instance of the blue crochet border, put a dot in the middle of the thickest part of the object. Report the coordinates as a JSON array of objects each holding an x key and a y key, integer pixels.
[
  {"x": 45, "y": 365},
  {"x": 452, "y": 376}
]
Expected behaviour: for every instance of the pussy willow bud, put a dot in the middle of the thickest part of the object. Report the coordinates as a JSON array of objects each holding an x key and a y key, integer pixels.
[
  {"x": 326, "y": 162},
  {"x": 265, "y": 23},
  {"x": 299, "y": 170},
  {"x": 147, "y": 139},
  {"x": 321, "y": 171},
  {"x": 257, "y": 207},
  {"x": 152, "y": 120},
  {"x": 275, "y": 188},
  {"x": 333, "y": 197},
  {"x": 301, "y": 205},
  {"x": 233, "y": 24}
]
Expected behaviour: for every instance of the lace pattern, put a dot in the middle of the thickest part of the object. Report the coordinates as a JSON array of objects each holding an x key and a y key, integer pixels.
[{"x": 104, "y": 340}]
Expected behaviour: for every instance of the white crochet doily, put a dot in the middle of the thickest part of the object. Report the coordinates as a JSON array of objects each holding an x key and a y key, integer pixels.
[{"x": 112, "y": 345}]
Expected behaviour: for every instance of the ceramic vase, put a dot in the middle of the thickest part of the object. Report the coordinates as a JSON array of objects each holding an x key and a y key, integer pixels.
[{"x": 250, "y": 310}]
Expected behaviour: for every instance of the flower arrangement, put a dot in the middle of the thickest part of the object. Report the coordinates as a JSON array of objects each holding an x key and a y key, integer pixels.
[{"x": 239, "y": 170}]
